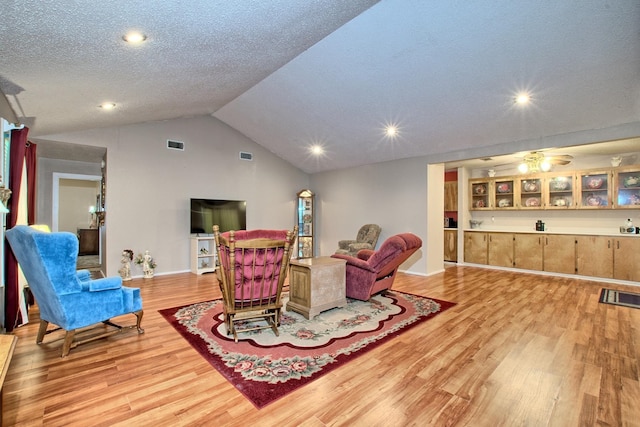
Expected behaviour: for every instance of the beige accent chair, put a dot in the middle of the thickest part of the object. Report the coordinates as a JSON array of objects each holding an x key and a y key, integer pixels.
[{"x": 366, "y": 239}]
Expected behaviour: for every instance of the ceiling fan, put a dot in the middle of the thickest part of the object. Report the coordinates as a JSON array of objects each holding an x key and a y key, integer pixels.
[{"x": 536, "y": 161}]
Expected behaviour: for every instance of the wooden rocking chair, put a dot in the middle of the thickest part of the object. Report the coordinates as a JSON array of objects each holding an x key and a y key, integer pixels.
[{"x": 253, "y": 267}]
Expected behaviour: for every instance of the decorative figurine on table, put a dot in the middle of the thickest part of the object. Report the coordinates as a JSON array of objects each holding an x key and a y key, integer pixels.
[{"x": 125, "y": 270}]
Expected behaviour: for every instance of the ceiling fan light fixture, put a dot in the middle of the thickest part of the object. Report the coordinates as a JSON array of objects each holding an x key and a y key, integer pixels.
[
  {"x": 534, "y": 162},
  {"x": 545, "y": 165},
  {"x": 523, "y": 168}
]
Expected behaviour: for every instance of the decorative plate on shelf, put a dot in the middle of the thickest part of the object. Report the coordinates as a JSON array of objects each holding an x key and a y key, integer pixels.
[
  {"x": 532, "y": 202},
  {"x": 632, "y": 181},
  {"x": 594, "y": 182},
  {"x": 530, "y": 187},
  {"x": 558, "y": 185},
  {"x": 504, "y": 203},
  {"x": 503, "y": 188},
  {"x": 306, "y": 218},
  {"x": 559, "y": 201},
  {"x": 479, "y": 203},
  {"x": 595, "y": 201},
  {"x": 480, "y": 189}
]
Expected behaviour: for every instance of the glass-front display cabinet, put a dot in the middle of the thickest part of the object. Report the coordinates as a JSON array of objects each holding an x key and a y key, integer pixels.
[
  {"x": 594, "y": 190},
  {"x": 627, "y": 186},
  {"x": 479, "y": 194},
  {"x": 504, "y": 192},
  {"x": 530, "y": 196},
  {"x": 306, "y": 213},
  {"x": 559, "y": 190}
]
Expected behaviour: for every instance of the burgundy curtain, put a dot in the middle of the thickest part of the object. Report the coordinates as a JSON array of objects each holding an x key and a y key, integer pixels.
[
  {"x": 30, "y": 162},
  {"x": 17, "y": 151}
]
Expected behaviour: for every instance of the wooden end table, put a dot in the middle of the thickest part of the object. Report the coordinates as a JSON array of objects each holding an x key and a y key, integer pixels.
[{"x": 316, "y": 284}]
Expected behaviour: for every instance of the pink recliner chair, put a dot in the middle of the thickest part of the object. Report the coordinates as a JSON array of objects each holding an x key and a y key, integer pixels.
[{"x": 374, "y": 271}]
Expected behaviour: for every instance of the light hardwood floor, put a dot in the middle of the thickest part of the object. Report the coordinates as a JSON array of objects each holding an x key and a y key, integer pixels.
[{"x": 518, "y": 349}]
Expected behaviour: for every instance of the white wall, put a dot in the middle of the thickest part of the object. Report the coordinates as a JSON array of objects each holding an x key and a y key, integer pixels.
[
  {"x": 149, "y": 186},
  {"x": 390, "y": 194}
]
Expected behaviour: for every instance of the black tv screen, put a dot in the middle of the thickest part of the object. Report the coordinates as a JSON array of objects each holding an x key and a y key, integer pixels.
[{"x": 227, "y": 214}]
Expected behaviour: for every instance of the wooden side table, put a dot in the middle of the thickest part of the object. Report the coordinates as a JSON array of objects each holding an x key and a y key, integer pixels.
[{"x": 316, "y": 284}]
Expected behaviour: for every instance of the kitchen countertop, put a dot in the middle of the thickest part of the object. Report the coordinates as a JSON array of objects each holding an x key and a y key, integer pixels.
[{"x": 592, "y": 232}]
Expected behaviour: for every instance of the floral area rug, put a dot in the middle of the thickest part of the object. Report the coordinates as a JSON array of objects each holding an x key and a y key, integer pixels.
[{"x": 265, "y": 367}]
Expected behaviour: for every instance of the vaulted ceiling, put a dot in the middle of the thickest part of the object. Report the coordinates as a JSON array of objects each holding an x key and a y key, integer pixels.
[{"x": 293, "y": 74}]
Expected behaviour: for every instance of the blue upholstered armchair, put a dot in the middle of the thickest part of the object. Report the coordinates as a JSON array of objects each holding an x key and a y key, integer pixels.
[{"x": 68, "y": 298}]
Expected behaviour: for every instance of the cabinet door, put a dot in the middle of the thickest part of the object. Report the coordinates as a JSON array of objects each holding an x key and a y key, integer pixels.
[
  {"x": 451, "y": 245},
  {"x": 527, "y": 251},
  {"x": 559, "y": 254},
  {"x": 627, "y": 188},
  {"x": 504, "y": 191},
  {"x": 475, "y": 247},
  {"x": 500, "y": 249},
  {"x": 479, "y": 197},
  {"x": 626, "y": 258},
  {"x": 594, "y": 190},
  {"x": 306, "y": 212},
  {"x": 594, "y": 256},
  {"x": 451, "y": 196},
  {"x": 530, "y": 195},
  {"x": 559, "y": 191}
]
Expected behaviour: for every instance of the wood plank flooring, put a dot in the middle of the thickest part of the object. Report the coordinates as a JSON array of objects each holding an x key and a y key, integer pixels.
[{"x": 518, "y": 349}]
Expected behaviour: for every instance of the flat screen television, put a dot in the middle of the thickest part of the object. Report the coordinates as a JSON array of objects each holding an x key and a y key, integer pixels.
[{"x": 227, "y": 214}]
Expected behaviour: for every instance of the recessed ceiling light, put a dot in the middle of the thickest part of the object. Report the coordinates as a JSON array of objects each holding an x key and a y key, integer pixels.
[
  {"x": 317, "y": 149},
  {"x": 107, "y": 105},
  {"x": 134, "y": 37},
  {"x": 523, "y": 98},
  {"x": 391, "y": 131}
]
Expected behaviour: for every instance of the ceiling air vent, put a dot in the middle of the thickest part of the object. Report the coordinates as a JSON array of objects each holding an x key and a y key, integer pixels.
[
  {"x": 246, "y": 156},
  {"x": 175, "y": 145}
]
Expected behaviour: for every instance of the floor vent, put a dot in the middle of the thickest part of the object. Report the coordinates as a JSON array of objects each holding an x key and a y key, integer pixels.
[
  {"x": 246, "y": 156},
  {"x": 175, "y": 145}
]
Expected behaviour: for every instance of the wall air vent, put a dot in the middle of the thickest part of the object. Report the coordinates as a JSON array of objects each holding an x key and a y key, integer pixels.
[
  {"x": 175, "y": 145},
  {"x": 246, "y": 156}
]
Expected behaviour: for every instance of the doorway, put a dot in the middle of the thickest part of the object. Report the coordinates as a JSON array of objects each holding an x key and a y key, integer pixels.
[{"x": 75, "y": 199}]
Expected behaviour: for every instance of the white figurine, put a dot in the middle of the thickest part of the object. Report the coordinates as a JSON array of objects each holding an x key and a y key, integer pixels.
[
  {"x": 147, "y": 268},
  {"x": 125, "y": 270}
]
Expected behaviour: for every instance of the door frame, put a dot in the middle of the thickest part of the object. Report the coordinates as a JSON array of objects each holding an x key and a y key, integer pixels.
[{"x": 57, "y": 176}]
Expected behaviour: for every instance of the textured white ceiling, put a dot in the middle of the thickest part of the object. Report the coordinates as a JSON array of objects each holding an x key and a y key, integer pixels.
[{"x": 289, "y": 74}]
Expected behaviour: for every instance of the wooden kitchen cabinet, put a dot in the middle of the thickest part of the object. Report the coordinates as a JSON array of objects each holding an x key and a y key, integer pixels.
[
  {"x": 594, "y": 256},
  {"x": 559, "y": 253},
  {"x": 603, "y": 188},
  {"x": 505, "y": 193},
  {"x": 480, "y": 199},
  {"x": 500, "y": 249},
  {"x": 451, "y": 196},
  {"x": 594, "y": 189},
  {"x": 559, "y": 191},
  {"x": 530, "y": 195},
  {"x": 451, "y": 245},
  {"x": 527, "y": 251},
  {"x": 475, "y": 247},
  {"x": 626, "y": 258},
  {"x": 627, "y": 188}
]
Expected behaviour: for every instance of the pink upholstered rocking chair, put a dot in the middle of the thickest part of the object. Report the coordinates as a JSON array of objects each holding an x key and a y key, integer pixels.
[{"x": 253, "y": 267}]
